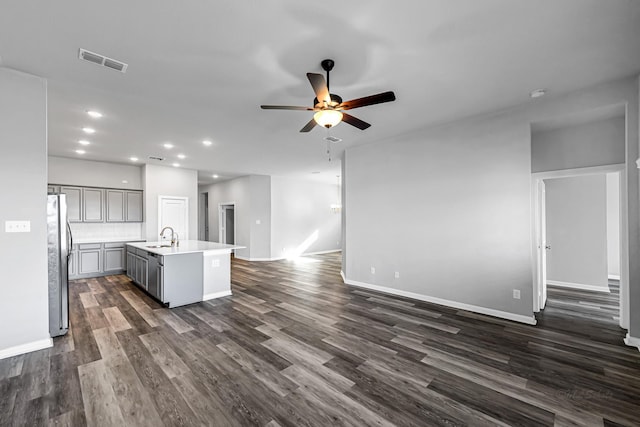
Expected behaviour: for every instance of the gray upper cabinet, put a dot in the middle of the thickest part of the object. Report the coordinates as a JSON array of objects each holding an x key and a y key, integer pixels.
[
  {"x": 74, "y": 203},
  {"x": 133, "y": 206},
  {"x": 92, "y": 203},
  {"x": 88, "y": 204},
  {"x": 115, "y": 205}
]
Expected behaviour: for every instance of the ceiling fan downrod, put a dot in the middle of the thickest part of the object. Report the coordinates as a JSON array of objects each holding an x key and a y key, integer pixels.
[{"x": 327, "y": 65}]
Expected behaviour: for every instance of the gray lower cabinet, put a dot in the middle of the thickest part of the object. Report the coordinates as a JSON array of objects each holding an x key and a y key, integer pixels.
[
  {"x": 98, "y": 259},
  {"x": 137, "y": 267},
  {"x": 113, "y": 258},
  {"x": 89, "y": 259}
]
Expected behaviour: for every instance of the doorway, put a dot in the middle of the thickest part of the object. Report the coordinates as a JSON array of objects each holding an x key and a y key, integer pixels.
[
  {"x": 203, "y": 217},
  {"x": 543, "y": 247},
  {"x": 227, "y": 223},
  {"x": 174, "y": 212}
]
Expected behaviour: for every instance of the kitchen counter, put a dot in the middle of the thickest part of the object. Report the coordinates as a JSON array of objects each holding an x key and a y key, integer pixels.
[
  {"x": 191, "y": 272},
  {"x": 186, "y": 247}
]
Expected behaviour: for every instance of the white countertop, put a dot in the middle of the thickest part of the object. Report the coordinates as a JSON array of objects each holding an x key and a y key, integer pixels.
[
  {"x": 107, "y": 240},
  {"x": 185, "y": 247}
]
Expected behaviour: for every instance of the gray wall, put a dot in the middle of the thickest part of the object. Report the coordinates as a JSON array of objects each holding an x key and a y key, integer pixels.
[
  {"x": 463, "y": 192},
  {"x": 613, "y": 224},
  {"x": 169, "y": 181},
  {"x": 23, "y": 173},
  {"x": 300, "y": 209},
  {"x": 251, "y": 195},
  {"x": 260, "y": 208},
  {"x": 93, "y": 174},
  {"x": 449, "y": 209},
  {"x": 591, "y": 144},
  {"x": 577, "y": 230}
]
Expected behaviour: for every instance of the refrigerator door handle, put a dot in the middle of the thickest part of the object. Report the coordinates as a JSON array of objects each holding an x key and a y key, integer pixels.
[{"x": 70, "y": 242}]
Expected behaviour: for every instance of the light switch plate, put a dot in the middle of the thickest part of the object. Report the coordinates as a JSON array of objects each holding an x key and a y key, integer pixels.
[
  {"x": 258, "y": 221},
  {"x": 215, "y": 263},
  {"x": 17, "y": 226}
]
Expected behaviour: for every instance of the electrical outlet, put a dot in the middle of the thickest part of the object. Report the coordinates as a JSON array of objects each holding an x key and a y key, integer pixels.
[
  {"x": 397, "y": 275},
  {"x": 258, "y": 222},
  {"x": 516, "y": 293},
  {"x": 373, "y": 270},
  {"x": 17, "y": 226},
  {"x": 215, "y": 262}
]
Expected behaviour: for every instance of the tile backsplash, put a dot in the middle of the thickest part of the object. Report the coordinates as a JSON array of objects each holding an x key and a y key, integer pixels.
[{"x": 107, "y": 230}]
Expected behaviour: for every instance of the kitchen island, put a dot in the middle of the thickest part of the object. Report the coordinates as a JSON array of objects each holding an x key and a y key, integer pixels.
[{"x": 189, "y": 272}]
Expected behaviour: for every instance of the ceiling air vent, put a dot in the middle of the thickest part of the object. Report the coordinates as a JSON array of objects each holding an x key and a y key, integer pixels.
[
  {"x": 333, "y": 139},
  {"x": 156, "y": 158},
  {"x": 102, "y": 60}
]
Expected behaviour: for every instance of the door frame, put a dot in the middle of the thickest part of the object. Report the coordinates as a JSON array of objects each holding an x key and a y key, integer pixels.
[
  {"x": 220, "y": 221},
  {"x": 203, "y": 216},
  {"x": 186, "y": 212},
  {"x": 538, "y": 286}
]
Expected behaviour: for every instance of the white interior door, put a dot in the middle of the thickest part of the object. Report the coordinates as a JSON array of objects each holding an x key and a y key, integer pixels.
[
  {"x": 542, "y": 245},
  {"x": 174, "y": 213}
]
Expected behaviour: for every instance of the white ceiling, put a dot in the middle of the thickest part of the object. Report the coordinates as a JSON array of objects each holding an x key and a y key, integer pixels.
[{"x": 200, "y": 69}]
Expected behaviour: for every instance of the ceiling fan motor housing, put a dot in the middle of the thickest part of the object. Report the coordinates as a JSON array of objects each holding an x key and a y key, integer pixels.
[{"x": 335, "y": 100}]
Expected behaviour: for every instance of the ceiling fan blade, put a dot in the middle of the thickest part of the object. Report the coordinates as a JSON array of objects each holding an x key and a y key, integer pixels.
[
  {"x": 285, "y": 107},
  {"x": 309, "y": 126},
  {"x": 319, "y": 87},
  {"x": 368, "y": 100},
  {"x": 354, "y": 121}
]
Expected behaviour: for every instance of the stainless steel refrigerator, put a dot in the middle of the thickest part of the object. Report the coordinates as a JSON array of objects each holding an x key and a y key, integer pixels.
[{"x": 59, "y": 243}]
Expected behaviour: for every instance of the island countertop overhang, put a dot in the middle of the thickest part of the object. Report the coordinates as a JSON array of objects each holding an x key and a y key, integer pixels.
[{"x": 185, "y": 247}]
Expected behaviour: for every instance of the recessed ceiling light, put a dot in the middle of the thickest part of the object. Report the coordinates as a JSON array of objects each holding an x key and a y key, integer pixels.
[
  {"x": 181, "y": 156},
  {"x": 207, "y": 143},
  {"x": 176, "y": 165},
  {"x": 168, "y": 145},
  {"x": 89, "y": 130},
  {"x": 80, "y": 151},
  {"x": 315, "y": 172},
  {"x": 94, "y": 114},
  {"x": 124, "y": 181},
  {"x": 537, "y": 93},
  {"x": 133, "y": 159},
  {"x": 215, "y": 176},
  {"x": 83, "y": 142}
]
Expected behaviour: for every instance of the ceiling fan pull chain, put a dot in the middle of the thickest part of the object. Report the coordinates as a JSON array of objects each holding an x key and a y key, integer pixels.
[{"x": 328, "y": 148}]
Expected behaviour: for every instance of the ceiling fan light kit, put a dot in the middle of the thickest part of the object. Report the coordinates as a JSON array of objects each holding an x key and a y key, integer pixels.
[{"x": 329, "y": 108}]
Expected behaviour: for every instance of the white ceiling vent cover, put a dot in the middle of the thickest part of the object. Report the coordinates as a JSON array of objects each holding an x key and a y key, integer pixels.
[{"x": 98, "y": 59}]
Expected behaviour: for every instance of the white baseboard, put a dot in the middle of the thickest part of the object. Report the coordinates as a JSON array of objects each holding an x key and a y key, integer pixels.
[
  {"x": 282, "y": 257},
  {"x": 614, "y": 277},
  {"x": 592, "y": 288},
  {"x": 529, "y": 320},
  {"x": 632, "y": 341},
  {"x": 215, "y": 295},
  {"x": 26, "y": 348},
  {"x": 344, "y": 279}
]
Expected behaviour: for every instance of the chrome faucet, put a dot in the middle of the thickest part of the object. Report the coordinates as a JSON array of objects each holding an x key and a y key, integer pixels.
[{"x": 174, "y": 240}]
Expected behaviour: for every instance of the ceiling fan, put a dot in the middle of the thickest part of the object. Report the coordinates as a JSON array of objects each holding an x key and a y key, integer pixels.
[{"x": 329, "y": 107}]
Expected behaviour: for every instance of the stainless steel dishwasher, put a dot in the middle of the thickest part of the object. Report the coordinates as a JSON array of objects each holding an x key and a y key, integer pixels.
[{"x": 156, "y": 275}]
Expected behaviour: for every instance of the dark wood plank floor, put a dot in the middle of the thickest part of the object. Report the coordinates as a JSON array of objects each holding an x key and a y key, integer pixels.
[{"x": 294, "y": 346}]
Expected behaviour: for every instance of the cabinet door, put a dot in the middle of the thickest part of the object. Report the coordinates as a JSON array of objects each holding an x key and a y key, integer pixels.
[
  {"x": 92, "y": 205},
  {"x": 131, "y": 265},
  {"x": 134, "y": 206},
  {"x": 113, "y": 259},
  {"x": 115, "y": 205},
  {"x": 144, "y": 274},
  {"x": 74, "y": 203},
  {"x": 89, "y": 261}
]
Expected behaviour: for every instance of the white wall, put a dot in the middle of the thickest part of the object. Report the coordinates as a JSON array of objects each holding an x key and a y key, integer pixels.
[
  {"x": 597, "y": 143},
  {"x": 577, "y": 231},
  {"x": 613, "y": 225},
  {"x": 169, "y": 181},
  {"x": 463, "y": 198},
  {"x": 300, "y": 210},
  {"x": 251, "y": 195},
  {"x": 93, "y": 174},
  {"x": 23, "y": 174}
]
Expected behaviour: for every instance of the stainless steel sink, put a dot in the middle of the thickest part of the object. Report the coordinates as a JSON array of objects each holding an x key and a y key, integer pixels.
[{"x": 158, "y": 246}]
